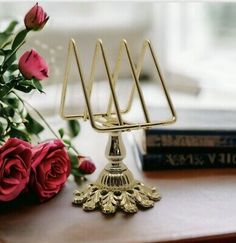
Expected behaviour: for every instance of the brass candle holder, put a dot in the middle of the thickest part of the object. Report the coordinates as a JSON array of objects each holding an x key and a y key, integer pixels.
[{"x": 115, "y": 187}]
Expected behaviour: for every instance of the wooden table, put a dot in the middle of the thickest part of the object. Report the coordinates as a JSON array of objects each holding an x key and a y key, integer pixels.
[{"x": 196, "y": 205}]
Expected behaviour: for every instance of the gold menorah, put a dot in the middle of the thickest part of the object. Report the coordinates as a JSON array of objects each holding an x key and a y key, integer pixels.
[{"x": 115, "y": 187}]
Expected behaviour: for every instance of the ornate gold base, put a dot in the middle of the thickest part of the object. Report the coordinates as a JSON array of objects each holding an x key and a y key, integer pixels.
[
  {"x": 110, "y": 201},
  {"x": 116, "y": 187}
]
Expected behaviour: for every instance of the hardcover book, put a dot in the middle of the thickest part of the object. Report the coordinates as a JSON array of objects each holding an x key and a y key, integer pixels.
[
  {"x": 178, "y": 159},
  {"x": 199, "y": 139},
  {"x": 195, "y": 128}
]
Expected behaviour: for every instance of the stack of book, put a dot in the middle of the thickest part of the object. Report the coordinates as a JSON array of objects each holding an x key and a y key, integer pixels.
[{"x": 199, "y": 139}]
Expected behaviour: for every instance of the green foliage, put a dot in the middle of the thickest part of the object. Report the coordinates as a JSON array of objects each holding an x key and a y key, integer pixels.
[
  {"x": 61, "y": 133},
  {"x": 32, "y": 126},
  {"x": 10, "y": 58},
  {"x": 75, "y": 165},
  {"x": 73, "y": 154},
  {"x": 7, "y": 87},
  {"x": 15, "y": 117},
  {"x": 27, "y": 86},
  {"x": 73, "y": 158},
  {"x": 7, "y": 34},
  {"x": 19, "y": 133},
  {"x": 15, "y": 120},
  {"x": 74, "y": 128},
  {"x": 19, "y": 39}
]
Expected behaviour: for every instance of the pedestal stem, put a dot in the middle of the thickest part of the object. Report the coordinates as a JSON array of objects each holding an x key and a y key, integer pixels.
[
  {"x": 115, "y": 176},
  {"x": 115, "y": 149},
  {"x": 116, "y": 187}
]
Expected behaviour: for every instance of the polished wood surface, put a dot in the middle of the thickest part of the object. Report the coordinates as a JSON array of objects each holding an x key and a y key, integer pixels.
[{"x": 196, "y": 205}]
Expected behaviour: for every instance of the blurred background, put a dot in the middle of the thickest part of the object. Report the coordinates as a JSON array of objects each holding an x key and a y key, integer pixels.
[{"x": 194, "y": 42}]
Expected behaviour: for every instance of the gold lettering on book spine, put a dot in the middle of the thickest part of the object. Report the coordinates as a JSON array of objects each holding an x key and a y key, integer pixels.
[
  {"x": 156, "y": 140},
  {"x": 201, "y": 159}
]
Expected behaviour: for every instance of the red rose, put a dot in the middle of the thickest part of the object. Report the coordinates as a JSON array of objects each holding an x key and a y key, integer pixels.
[
  {"x": 86, "y": 165},
  {"x": 50, "y": 169},
  {"x": 32, "y": 65},
  {"x": 15, "y": 161},
  {"x": 36, "y": 18}
]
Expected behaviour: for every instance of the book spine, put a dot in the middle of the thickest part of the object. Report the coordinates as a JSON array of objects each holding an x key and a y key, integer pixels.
[
  {"x": 154, "y": 141},
  {"x": 172, "y": 160}
]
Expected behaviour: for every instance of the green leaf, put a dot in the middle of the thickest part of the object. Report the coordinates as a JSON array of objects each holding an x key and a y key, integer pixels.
[
  {"x": 74, "y": 127},
  {"x": 7, "y": 43},
  {"x": 7, "y": 63},
  {"x": 61, "y": 132},
  {"x": 19, "y": 133},
  {"x": 3, "y": 125},
  {"x": 9, "y": 111},
  {"x": 17, "y": 118},
  {"x": 1, "y": 130},
  {"x": 27, "y": 85},
  {"x": 12, "y": 101},
  {"x": 73, "y": 159},
  {"x": 5, "y": 53},
  {"x": 67, "y": 142},
  {"x": 11, "y": 26},
  {"x": 32, "y": 126},
  {"x": 11, "y": 57},
  {"x": 5, "y": 89},
  {"x": 2, "y": 81},
  {"x": 24, "y": 89},
  {"x": 4, "y": 38},
  {"x": 76, "y": 173},
  {"x": 5, "y": 35},
  {"x": 37, "y": 84},
  {"x": 19, "y": 39},
  {"x": 13, "y": 68}
]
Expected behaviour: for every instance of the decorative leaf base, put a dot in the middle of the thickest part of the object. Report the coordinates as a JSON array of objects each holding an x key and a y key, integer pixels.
[
  {"x": 109, "y": 201},
  {"x": 116, "y": 187}
]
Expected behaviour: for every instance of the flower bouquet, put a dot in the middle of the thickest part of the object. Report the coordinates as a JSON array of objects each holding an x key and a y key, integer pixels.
[{"x": 43, "y": 168}]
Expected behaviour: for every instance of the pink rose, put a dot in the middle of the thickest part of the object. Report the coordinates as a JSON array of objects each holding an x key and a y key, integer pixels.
[
  {"x": 15, "y": 161},
  {"x": 32, "y": 65},
  {"x": 50, "y": 169},
  {"x": 36, "y": 18},
  {"x": 86, "y": 165}
]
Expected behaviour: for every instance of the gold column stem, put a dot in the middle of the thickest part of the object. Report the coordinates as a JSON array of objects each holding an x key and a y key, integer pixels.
[{"x": 115, "y": 149}]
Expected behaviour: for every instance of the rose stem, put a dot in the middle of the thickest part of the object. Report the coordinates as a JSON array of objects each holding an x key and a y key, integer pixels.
[{"x": 24, "y": 102}]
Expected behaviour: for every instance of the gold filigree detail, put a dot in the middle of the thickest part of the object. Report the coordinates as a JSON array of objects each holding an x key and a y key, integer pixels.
[
  {"x": 109, "y": 201},
  {"x": 128, "y": 203}
]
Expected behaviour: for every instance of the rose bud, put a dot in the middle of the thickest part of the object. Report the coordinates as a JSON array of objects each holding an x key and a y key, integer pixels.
[
  {"x": 15, "y": 162},
  {"x": 36, "y": 18},
  {"x": 32, "y": 65},
  {"x": 86, "y": 165},
  {"x": 49, "y": 170}
]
